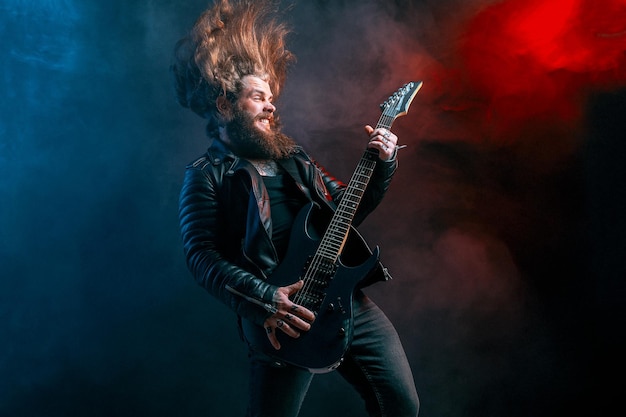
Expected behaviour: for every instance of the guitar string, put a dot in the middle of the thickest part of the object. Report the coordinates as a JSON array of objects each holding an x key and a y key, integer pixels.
[
  {"x": 323, "y": 262},
  {"x": 385, "y": 121},
  {"x": 317, "y": 260},
  {"x": 332, "y": 246}
]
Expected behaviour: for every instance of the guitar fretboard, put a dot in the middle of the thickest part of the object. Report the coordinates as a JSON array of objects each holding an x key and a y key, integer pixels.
[
  {"x": 337, "y": 232},
  {"x": 322, "y": 265},
  {"x": 321, "y": 268}
]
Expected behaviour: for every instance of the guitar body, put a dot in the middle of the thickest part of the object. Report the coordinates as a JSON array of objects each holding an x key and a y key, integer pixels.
[{"x": 322, "y": 347}]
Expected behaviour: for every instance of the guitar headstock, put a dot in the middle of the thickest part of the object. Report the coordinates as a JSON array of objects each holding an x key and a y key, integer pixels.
[{"x": 398, "y": 103}]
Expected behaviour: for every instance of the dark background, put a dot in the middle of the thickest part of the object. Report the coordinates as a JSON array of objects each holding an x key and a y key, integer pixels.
[{"x": 504, "y": 227}]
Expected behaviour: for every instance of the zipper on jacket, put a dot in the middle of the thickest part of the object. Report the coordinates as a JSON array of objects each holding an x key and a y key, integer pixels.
[{"x": 267, "y": 306}]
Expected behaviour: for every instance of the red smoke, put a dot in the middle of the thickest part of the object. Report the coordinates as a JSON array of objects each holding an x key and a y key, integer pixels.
[{"x": 535, "y": 61}]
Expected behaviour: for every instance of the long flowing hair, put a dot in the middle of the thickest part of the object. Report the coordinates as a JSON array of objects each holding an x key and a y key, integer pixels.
[{"x": 230, "y": 40}]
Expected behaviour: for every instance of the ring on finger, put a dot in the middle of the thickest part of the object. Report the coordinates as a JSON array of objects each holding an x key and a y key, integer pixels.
[{"x": 279, "y": 323}]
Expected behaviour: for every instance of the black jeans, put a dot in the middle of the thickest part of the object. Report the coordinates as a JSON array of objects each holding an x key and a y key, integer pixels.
[{"x": 375, "y": 365}]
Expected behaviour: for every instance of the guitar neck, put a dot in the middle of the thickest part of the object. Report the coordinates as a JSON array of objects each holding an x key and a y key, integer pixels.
[{"x": 335, "y": 237}]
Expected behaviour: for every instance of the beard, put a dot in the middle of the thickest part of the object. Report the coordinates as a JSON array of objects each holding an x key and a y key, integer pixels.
[{"x": 249, "y": 142}]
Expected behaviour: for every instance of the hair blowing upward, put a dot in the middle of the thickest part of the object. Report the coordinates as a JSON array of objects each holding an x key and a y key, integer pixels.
[{"x": 230, "y": 40}]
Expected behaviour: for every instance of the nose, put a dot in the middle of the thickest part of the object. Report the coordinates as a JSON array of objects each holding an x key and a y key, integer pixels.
[{"x": 269, "y": 107}]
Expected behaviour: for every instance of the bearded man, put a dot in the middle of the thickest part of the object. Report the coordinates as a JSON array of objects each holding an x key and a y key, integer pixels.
[{"x": 239, "y": 201}]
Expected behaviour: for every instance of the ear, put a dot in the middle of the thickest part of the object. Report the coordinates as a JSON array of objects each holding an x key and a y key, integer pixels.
[{"x": 224, "y": 106}]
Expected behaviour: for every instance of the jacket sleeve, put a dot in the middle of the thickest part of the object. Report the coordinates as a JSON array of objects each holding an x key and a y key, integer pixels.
[
  {"x": 199, "y": 214},
  {"x": 374, "y": 193}
]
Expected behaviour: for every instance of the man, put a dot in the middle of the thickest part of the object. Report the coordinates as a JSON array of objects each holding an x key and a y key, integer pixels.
[{"x": 239, "y": 200}]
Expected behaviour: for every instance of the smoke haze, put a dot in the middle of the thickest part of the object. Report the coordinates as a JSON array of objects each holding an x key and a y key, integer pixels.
[{"x": 503, "y": 227}]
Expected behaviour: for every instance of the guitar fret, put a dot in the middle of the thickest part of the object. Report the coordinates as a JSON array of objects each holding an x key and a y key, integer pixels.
[
  {"x": 334, "y": 245},
  {"x": 342, "y": 217},
  {"x": 329, "y": 250},
  {"x": 342, "y": 223},
  {"x": 338, "y": 236}
]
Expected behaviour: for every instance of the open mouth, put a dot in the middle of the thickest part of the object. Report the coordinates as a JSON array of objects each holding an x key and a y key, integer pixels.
[{"x": 264, "y": 123}]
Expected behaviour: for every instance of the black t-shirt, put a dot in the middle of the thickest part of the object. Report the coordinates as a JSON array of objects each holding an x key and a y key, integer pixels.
[{"x": 285, "y": 202}]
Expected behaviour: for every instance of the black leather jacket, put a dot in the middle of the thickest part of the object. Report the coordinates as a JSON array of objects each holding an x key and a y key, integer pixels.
[{"x": 225, "y": 222}]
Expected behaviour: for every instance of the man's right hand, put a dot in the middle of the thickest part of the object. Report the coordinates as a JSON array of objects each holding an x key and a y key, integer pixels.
[{"x": 290, "y": 318}]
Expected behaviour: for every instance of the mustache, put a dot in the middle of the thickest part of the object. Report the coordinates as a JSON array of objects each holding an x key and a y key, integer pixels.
[{"x": 265, "y": 115}]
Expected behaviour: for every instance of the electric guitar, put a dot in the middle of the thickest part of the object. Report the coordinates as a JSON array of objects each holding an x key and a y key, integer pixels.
[{"x": 313, "y": 255}]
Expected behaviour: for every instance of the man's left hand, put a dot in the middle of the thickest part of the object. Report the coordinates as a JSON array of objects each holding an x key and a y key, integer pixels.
[{"x": 382, "y": 140}]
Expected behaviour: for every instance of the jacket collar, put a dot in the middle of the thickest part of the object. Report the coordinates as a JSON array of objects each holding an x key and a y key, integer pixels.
[{"x": 219, "y": 152}]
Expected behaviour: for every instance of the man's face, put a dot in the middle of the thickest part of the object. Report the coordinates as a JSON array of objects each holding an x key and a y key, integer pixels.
[
  {"x": 253, "y": 132},
  {"x": 256, "y": 100}
]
